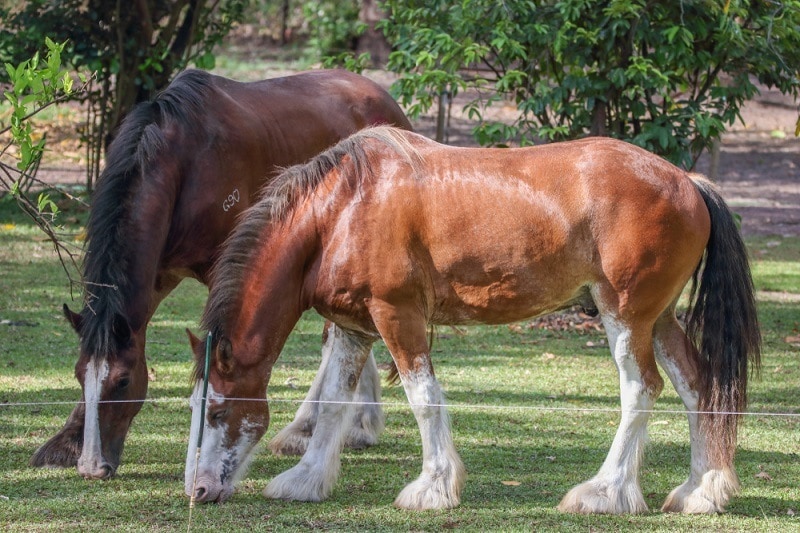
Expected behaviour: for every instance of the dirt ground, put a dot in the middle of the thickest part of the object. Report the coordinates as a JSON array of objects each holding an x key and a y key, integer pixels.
[{"x": 758, "y": 170}]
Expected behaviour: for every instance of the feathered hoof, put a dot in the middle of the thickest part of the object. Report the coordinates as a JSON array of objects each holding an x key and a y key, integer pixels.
[
  {"x": 299, "y": 484},
  {"x": 433, "y": 492},
  {"x": 359, "y": 438},
  {"x": 597, "y": 497},
  {"x": 61, "y": 451},
  {"x": 709, "y": 496},
  {"x": 290, "y": 442}
]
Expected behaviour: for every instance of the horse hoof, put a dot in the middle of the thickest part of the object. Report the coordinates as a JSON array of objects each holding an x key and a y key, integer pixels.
[
  {"x": 708, "y": 496},
  {"x": 289, "y": 443},
  {"x": 595, "y": 497},
  {"x": 301, "y": 483}
]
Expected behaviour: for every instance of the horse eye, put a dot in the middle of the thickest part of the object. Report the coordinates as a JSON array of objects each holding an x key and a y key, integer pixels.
[
  {"x": 219, "y": 415},
  {"x": 123, "y": 383}
]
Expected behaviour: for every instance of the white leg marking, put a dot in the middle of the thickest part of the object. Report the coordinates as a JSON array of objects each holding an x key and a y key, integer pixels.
[
  {"x": 708, "y": 489},
  {"x": 293, "y": 439},
  {"x": 91, "y": 458},
  {"x": 368, "y": 421},
  {"x": 366, "y": 424},
  {"x": 443, "y": 475},
  {"x": 314, "y": 477},
  {"x": 615, "y": 489}
]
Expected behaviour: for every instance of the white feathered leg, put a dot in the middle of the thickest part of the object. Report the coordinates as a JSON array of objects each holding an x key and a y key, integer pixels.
[
  {"x": 708, "y": 488},
  {"x": 313, "y": 478},
  {"x": 367, "y": 422},
  {"x": 443, "y": 475},
  {"x": 615, "y": 489}
]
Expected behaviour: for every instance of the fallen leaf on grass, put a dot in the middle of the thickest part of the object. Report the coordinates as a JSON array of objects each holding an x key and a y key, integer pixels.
[
  {"x": 762, "y": 474},
  {"x": 511, "y": 483},
  {"x": 794, "y": 340}
]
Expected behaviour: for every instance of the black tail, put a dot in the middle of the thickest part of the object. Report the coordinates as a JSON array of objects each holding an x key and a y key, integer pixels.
[{"x": 723, "y": 322}]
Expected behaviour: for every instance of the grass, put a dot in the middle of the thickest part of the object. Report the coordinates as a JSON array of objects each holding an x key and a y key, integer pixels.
[{"x": 518, "y": 396}]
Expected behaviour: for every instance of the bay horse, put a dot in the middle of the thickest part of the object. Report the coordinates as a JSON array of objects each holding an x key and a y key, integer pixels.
[
  {"x": 388, "y": 232},
  {"x": 181, "y": 169}
]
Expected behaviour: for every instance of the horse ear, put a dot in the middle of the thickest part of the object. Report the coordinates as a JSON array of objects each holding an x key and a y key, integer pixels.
[
  {"x": 224, "y": 359},
  {"x": 194, "y": 342},
  {"x": 75, "y": 319},
  {"x": 121, "y": 330}
]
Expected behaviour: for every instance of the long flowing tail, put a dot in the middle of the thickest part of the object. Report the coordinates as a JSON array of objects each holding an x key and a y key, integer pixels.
[{"x": 723, "y": 322}]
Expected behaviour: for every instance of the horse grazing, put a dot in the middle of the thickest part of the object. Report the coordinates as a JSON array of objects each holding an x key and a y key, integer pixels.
[
  {"x": 180, "y": 170},
  {"x": 388, "y": 232}
]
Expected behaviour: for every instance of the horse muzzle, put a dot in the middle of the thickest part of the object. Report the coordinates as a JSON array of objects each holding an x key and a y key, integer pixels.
[
  {"x": 102, "y": 472},
  {"x": 94, "y": 469},
  {"x": 206, "y": 491}
]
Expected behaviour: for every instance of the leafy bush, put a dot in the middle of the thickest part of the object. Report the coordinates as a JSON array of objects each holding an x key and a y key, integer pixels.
[{"x": 667, "y": 76}]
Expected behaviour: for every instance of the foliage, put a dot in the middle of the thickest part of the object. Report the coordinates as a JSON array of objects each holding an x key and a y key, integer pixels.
[
  {"x": 35, "y": 84},
  {"x": 334, "y": 26},
  {"x": 668, "y": 76},
  {"x": 133, "y": 47}
]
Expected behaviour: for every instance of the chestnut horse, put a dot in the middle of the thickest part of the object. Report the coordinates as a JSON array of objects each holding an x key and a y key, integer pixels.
[
  {"x": 389, "y": 232},
  {"x": 180, "y": 170}
]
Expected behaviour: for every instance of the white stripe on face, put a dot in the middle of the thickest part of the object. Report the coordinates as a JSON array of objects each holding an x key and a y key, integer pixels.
[
  {"x": 221, "y": 463},
  {"x": 92, "y": 453}
]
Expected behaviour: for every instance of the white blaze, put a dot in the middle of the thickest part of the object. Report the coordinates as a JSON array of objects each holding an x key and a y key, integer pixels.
[{"x": 92, "y": 452}]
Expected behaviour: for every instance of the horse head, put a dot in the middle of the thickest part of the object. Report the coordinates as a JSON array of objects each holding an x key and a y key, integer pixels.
[
  {"x": 114, "y": 383},
  {"x": 232, "y": 426}
]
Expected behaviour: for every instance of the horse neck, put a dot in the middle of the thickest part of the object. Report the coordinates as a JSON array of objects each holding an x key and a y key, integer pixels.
[
  {"x": 276, "y": 289},
  {"x": 131, "y": 267}
]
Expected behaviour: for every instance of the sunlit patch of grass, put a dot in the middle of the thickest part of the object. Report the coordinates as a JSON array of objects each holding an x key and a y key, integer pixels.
[{"x": 535, "y": 408}]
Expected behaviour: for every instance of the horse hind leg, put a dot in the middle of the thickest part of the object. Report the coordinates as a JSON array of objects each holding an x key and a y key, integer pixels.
[
  {"x": 615, "y": 488},
  {"x": 710, "y": 485},
  {"x": 313, "y": 478},
  {"x": 367, "y": 423}
]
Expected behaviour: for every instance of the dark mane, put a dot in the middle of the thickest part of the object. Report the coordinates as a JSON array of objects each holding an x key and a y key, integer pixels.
[
  {"x": 107, "y": 258},
  {"x": 276, "y": 203}
]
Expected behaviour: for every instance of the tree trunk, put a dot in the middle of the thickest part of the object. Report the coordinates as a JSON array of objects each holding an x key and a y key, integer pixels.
[{"x": 372, "y": 40}]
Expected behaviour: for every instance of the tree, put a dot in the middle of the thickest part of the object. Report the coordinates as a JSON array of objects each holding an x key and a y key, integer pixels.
[
  {"x": 133, "y": 48},
  {"x": 668, "y": 76}
]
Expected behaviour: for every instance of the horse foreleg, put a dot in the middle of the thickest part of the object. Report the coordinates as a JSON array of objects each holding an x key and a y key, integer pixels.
[
  {"x": 443, "y": 475},
  {"x": 63, "y": 448},
  {"x": 366, "y": 425},
  {"x": 615, "y": 489},
  {"x": 442, "y": 478},
  {"x": 709, "y": 486},
  {"x": 313, "y": 478}
]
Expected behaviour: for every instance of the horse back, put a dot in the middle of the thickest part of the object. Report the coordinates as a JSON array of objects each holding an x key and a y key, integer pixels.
[{"x": 497, "y": 235}]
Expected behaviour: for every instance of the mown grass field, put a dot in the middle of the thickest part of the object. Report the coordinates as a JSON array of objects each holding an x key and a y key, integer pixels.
[{"x": 534, "y": 412}]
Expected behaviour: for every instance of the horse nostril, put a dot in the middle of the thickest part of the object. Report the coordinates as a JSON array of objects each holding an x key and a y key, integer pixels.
[
  {"x": 106, "y": 471},
  {"x": 200, "y": 494}
]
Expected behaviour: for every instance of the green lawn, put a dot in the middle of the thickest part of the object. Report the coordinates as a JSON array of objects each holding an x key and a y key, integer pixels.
[{"x": 538, "y": 408}]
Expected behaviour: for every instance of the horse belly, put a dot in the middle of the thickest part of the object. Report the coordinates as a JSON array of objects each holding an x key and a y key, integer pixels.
[
  {"x": 509, "y": 296},
  {"x": 506, "y": 269}
]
